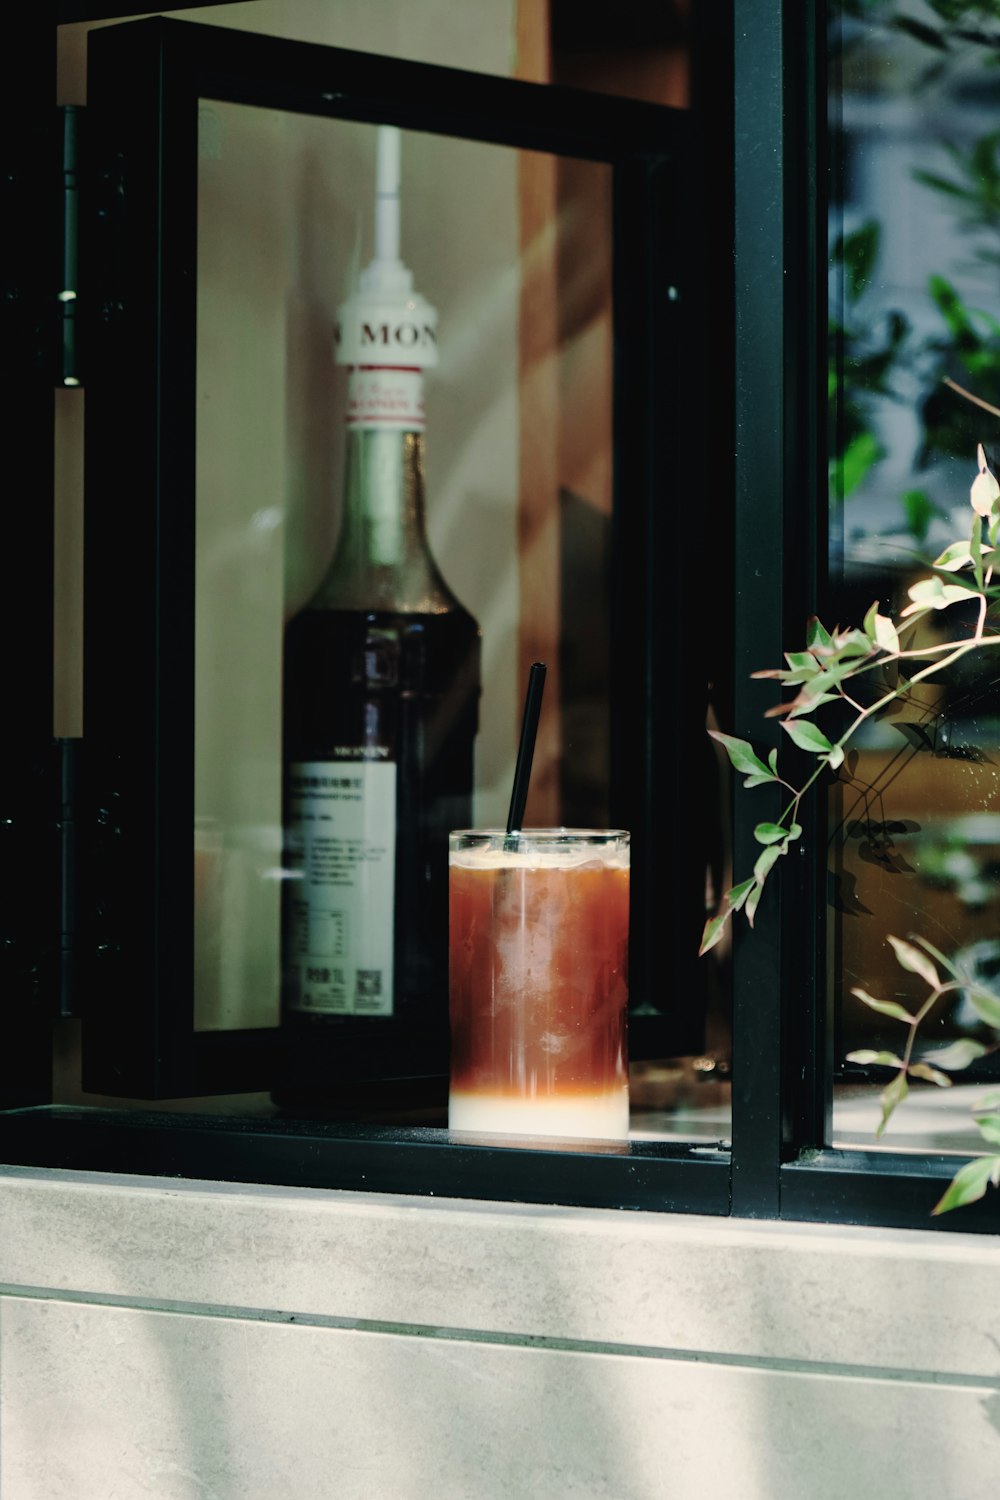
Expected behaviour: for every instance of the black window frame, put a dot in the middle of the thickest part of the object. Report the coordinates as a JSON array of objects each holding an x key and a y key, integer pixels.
[
  {"x": 780, "y": 1167},
  {"x": 139, "y": 295}
]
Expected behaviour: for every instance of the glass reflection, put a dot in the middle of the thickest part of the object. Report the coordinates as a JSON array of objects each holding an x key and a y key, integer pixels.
[
  {"x": 518, "y": 481},
  {"x": 914, "y": 244}
]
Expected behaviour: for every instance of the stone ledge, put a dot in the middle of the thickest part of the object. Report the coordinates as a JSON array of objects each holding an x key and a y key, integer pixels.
[{"x": 800, "y": 1294}]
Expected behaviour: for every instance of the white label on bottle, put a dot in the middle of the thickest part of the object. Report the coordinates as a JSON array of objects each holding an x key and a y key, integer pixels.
[
  {"x": 341, "y": 868},
  {"x": 385, "y": 398}
]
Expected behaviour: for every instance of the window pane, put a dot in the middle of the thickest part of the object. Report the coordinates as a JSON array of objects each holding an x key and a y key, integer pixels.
[
  {"x": 519, "y": 476},
  {"x": 518, "y": 425},
  {"x": 914, "y": 818},
  {"x": 518, "y": 494}
]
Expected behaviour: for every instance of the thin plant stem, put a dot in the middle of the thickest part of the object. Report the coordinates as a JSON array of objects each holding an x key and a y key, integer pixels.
[{"x": 976, "y": 400}]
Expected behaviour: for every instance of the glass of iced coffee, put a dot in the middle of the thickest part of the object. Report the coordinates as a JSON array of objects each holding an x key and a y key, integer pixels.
[{"x": 539, "y": 981}]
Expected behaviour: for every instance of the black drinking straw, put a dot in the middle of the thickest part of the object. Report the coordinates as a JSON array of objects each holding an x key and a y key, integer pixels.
[{"x": 526, "y": 749}]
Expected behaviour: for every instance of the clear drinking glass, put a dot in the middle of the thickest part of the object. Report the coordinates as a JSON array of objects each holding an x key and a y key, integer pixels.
[{"x": 539, "y": 981}]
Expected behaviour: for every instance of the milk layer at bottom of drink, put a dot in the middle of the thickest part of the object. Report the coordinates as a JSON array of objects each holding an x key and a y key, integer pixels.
[{"x": 601, "y": 1117}]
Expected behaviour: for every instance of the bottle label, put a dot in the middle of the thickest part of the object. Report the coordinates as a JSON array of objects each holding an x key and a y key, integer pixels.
[
  {"x": 390, "y": 399},
  {"x": 341, "y": 868}
]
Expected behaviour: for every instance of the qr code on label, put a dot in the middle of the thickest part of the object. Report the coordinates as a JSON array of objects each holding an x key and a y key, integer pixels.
[{"x": 369, "y": 984}]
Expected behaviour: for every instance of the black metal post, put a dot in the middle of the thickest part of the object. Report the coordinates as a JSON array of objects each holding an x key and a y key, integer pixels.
[{"x": 777, "y": 310}]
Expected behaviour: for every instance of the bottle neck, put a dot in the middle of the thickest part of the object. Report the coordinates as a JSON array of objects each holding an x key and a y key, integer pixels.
[
  {"x": 382, "y": 559},
  {"x": 383, "y": 517}
]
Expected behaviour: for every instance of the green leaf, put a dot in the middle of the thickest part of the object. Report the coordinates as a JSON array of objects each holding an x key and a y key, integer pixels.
[
  {"x": 930, "y": 1075},
  {"x": 808, "y": 737},
  {"x": 985, "y": 1005},
  {"x": 753, "y": 899},
  {"x": 766, "y": 861},
  {"x": 985, "y": 156},
  {"x": 915, "y": 962},
  {"x": 921, "y": 32},
  {"x": 836, "y": 670},
  {"x": 956, "y": 1056},
  {"x": 968, "y": 1184},
  {"x": 989, "y": 1128},
  {"x": 891, "y": 1097},
  {"x": 859, "y": 457},
  {"x": 772, "y": 759},
  {"x": 770, "y": 833},
  {"x": 926, "y": 594},
  {"x": 984, "y": 494},
  {"x": 759, "y": 778},
  {"x": 919, "y": 510},
  {"x": 963, "y": 581},
  {"x": 885, "y": 633},
  {"x": 716, "y": 926},
  {"x": 817, "y": 634},
  {"x": 823, "y": 682},
  {"x": 776, "y": 674},
  {"x": 804, "y": 705},
  {"x": 736, "y": 897},
  {"x": 880, "y": 630},
  {"x": 931, "y": 593},
  {"x": 713, "y": 931},
  {"x": 942, "y": 185},
  {"x": 992, "y": 323},
  {"x": 740, "y": 753},
  {"x": 802, "y": 666},
  {"x": 866, "y": 1055},
  {"x": 885, "y": 1007},
  {"x": 954, "y": 556},
  {"x": 858, "y": 252},
  {"x": 976, "y": 549},
  {"x": 849, "y": 644},
  {"x": 952, "y": 309},
  {"x": 936, "y": 954}
]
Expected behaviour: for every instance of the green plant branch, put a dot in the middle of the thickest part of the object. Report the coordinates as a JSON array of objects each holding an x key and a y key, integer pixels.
[
  {"x": 946, "y": 655},
  {"x": 821, "y": 670},
  {"x": 818, "y": 674},
  {"x": 970, "y": 1182}
]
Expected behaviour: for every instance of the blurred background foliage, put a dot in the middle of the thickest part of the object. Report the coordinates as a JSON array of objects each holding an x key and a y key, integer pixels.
[{"x": 936, "y": 62}]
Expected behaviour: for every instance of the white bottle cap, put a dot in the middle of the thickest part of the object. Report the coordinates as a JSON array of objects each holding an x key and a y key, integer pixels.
[{"x": 385, "y": 322}]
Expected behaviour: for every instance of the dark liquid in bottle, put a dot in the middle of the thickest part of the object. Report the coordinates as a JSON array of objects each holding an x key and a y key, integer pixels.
[{"x": 403, "y": 687}]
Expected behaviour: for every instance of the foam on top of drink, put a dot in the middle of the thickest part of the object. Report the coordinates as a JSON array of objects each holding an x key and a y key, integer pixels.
[{"x": 588, "y": 855}]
